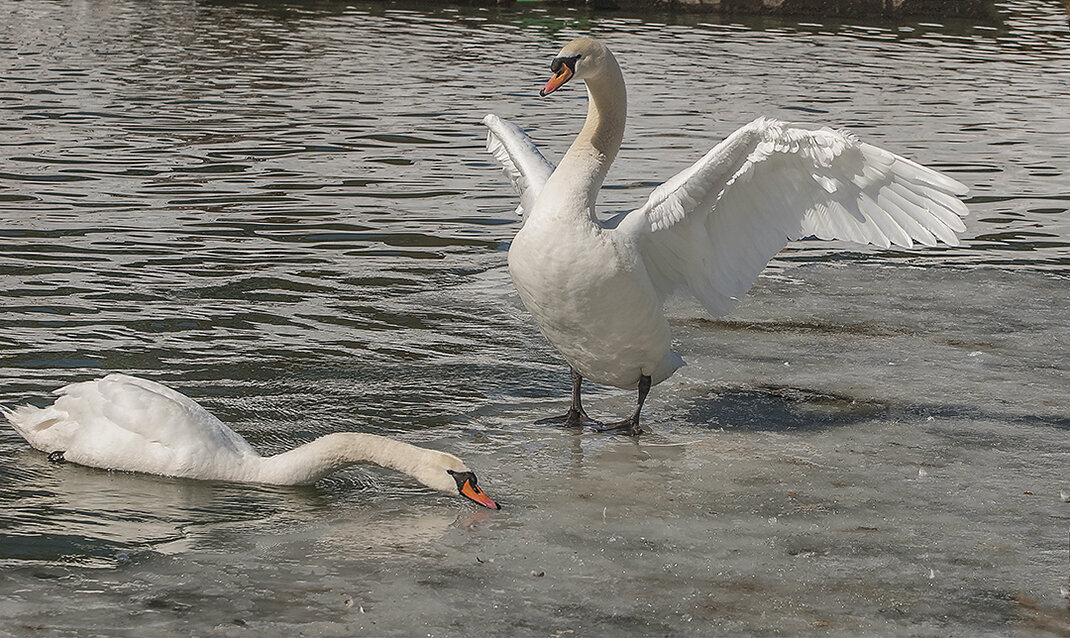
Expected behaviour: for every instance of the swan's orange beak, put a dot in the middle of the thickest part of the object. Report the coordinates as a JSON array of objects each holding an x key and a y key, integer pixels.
[
  {"x": 562, "y": 75},
  {"x": 472, "y": 491}
]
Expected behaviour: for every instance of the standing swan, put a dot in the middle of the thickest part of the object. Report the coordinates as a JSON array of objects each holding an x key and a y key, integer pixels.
[
  {"x": 125, "y": 423},
  {"x": 596, "y": 289}
]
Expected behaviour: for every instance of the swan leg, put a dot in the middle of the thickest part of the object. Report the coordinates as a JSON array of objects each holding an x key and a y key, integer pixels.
[
  {"x": 576, "y": 416},
  {"x": 630, "y": 425},
  {"x": 56, "y": 457}
]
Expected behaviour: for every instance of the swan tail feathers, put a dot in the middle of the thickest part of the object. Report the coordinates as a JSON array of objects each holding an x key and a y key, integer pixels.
[
  {"x": 31, "y": 423},
  {"x": 668, "y": 366}
]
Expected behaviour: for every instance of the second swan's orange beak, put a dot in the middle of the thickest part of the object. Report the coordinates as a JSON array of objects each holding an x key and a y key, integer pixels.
[
  {"x": 562, "y": 75},
  {"x": 472, "y": 491}
]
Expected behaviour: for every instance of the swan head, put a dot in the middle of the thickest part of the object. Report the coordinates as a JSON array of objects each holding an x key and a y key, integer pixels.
[
  {"x": 450, "y": 475},
  {"x": 580, "y": 59}
]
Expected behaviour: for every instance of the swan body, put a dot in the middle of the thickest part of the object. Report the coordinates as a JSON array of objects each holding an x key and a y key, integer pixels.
[
  {"x": 596, "y": 289},
  {"x": 121, "y": 422}
]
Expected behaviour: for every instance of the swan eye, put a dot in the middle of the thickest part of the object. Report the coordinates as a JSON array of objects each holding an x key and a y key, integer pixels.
[
  {"x": 569, "y": 61},
  {"x": 462, "y": 478}
]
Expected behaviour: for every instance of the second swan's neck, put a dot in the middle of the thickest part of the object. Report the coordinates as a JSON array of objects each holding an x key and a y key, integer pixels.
[
  {"x": 584, "y": 167},
  {"x": 314, "y": 460}
]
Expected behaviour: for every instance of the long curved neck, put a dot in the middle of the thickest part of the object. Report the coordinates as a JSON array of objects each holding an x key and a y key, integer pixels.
[
  {"x": 312, "y": 461},
  {"x": 581, "y": 172}
]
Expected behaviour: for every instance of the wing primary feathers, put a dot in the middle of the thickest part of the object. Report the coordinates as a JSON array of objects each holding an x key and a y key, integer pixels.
[
  {"x": 521, "y": 160},
  {"x": 769, "y": 182}
]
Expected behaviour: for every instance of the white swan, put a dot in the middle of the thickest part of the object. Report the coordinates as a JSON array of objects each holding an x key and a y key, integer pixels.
[
  {"x": 121, "y": 422},
  {"x": 596, "y": 289}
]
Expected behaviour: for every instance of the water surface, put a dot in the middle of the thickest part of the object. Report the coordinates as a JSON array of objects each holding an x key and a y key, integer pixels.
[{"x": 285, "y": 211}]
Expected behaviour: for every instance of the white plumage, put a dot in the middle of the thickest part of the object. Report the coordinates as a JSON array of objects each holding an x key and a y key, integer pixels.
[
  {"x": 711, "y": 229},
  {"x": 596, "y": 289},
  {"x": 120, "y": 422}
]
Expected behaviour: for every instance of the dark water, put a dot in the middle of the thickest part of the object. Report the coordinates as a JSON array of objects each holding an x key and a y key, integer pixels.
[{"x": 286, "y": 212}]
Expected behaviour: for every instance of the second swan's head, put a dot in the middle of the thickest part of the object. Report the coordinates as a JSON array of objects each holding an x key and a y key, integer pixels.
[
  {"x": 447, "y": 473},
  {"x": 581, "y": 59}
]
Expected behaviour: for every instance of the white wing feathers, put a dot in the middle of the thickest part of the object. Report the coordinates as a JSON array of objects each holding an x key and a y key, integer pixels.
[
  {"x": 712, "y": 228},
  {"x": 108, "y": 414},
  {"x": 521, "y": 161},
  {"x": 159, "y": 415}
]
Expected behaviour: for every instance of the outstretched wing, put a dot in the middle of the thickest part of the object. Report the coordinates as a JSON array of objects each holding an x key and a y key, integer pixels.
[
  {"x": 712, "y": 228},
  {"x": 522, "y": 162}
]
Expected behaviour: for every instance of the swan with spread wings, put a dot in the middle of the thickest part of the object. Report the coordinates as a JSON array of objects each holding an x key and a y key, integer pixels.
[{"x": 596, "y": 289}]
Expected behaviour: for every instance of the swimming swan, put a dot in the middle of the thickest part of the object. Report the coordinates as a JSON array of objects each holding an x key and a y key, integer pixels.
[
  {"x": 596, "y": 289},
  {"x": 121, "y": 422}
]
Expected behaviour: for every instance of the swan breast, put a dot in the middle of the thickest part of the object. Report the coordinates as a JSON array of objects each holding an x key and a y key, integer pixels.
[{"x": 591, "y": 298}]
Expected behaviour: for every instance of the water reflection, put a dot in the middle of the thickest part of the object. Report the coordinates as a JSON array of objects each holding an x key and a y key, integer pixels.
[{"x": 95, "y": 518}]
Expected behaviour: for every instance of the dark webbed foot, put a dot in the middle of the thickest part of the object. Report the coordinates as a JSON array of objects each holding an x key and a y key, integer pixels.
[
  {"x": 577, "y": 417},
  {"x": 572, "y": 419},
  {"x": 56, "y": 457},
  {"x": 629, "y": 426}
]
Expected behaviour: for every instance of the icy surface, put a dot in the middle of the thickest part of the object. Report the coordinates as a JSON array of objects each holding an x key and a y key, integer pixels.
[{"x": 288, "y": 215}]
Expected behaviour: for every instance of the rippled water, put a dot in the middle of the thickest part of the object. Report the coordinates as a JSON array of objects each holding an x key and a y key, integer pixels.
[{"x": 285, "y": 211}]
